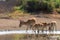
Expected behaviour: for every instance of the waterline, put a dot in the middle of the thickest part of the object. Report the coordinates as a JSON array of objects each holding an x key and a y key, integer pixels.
[{"x": 27, "y": 32}]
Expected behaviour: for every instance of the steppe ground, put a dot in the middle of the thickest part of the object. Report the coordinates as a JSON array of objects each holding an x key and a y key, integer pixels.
[{"x": 13, "y": 24}]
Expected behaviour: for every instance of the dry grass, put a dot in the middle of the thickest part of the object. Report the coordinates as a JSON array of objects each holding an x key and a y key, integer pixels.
[
  {"x": 18, "y": 37},
  {"x": 14, "y": 15},
  {"x": 56, "y": 16},
  {"x": 17, "y": 14}
]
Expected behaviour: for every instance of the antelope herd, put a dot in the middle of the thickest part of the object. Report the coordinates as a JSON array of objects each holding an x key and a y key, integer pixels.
[{"x": 31, "y": 23}]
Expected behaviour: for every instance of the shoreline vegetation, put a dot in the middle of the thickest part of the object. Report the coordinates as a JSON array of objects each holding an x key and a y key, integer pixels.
[{"x": 34, "y": 7}]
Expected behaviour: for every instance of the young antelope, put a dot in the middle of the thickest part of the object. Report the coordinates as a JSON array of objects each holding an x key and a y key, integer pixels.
[{"x": 52, "y": 25}]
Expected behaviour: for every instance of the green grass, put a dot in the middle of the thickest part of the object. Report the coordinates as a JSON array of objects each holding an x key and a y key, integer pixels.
[{"x": 18, "y": 36}]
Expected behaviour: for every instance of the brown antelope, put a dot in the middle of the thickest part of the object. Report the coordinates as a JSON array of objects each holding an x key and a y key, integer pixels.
[
  {"x": 52, "y": 25},
  {"x": 45, "y": 26},
  {"x": 37, "y": 27},
  {"x": 28, "y": 23},
  {"x": 49, "y": 26}
]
